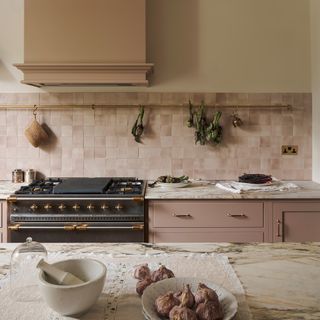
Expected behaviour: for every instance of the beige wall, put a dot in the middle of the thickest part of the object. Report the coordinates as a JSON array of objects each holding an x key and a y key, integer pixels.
[
  {"x": 201, "y": 45},
  {"x": 315, "y": 53}
]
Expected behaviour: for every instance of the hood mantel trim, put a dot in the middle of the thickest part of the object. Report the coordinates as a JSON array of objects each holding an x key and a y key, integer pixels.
[{"x": 51, "y": 74}]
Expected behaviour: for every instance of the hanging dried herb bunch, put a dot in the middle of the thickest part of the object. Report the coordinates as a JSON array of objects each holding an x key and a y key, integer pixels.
[
  {"x": 205, "y": 131},
  {"x": 137, "y": 129}
]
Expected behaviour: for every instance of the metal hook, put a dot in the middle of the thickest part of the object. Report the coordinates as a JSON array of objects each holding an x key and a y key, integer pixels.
[{"x": 34, "y": 112}]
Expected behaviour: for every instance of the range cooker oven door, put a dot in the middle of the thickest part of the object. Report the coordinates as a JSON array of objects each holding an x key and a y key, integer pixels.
[{"x": 121, "y": 232}]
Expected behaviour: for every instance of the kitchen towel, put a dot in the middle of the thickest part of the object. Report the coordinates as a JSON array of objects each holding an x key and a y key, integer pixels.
[
  {"x": 119, "y": 300},
  {"x": 240, "y": 187}
]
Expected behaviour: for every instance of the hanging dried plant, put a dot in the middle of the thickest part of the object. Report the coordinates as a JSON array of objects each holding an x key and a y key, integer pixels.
[
  {"x": 137, "y": 129},
  {"x": 205, "y": 131}
]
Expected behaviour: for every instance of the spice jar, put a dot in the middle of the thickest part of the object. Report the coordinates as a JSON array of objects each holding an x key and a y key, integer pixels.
[
  {"x": 30, "y": 176},
  {"x": 17, "y": 176}
]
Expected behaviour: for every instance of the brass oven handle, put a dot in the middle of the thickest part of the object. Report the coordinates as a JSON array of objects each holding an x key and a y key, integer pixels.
[
  {"x": 70, "y": 228},
  {"x": 278, "y": 227},
  {"x": 182, "y": 215},
  {"x": 74, "y": 227},
  {"x": 236, "y": 215},
  {"x": 82, "y": 227},
  {"x": 138, "y": 227}
]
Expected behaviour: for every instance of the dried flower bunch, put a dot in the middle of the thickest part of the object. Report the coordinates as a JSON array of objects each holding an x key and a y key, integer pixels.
[
  {"x": 184, "y": 305},
  {"x": 143, "y": 273}
]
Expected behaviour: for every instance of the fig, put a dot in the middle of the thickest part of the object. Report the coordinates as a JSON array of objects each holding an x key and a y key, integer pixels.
[
  {"x": 165, "y": 303},
  {"x": 182, "y": 312},
  {"x": 161, "y": 273},
  {"x": 209, "y": 310},
  {"x": 142, "y": 285},
  {"x": 203, "y": 291},
  {"x": 142, "y": 271}
]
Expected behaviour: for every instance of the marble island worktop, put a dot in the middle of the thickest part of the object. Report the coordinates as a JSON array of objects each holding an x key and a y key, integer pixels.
[
  {"x": 280, "y": 280},
  {"x": 208, "y": 190}
]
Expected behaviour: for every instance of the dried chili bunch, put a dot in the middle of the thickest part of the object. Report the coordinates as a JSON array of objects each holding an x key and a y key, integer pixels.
[{"x": 137, "y": 129}]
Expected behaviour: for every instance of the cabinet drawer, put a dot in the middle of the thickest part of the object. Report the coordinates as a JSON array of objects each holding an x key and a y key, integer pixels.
[
  {"x": 193, "y": 214},
  {"x": 208, "y": 236}
]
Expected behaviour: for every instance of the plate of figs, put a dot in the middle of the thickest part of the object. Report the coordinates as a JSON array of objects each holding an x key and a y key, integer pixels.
[{"x": 188, "y": 298}]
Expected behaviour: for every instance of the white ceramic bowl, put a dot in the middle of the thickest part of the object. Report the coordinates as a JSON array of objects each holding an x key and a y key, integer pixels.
[
  {"x": 151, "y": 293},
  {"x": 74, "y": 299}
]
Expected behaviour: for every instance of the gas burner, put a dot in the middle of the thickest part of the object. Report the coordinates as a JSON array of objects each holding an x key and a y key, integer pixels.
[{"x": 80, "y": 186}]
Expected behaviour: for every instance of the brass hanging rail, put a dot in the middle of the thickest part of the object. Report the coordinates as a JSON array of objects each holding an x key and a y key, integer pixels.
[{"x": 93, "y": 106}]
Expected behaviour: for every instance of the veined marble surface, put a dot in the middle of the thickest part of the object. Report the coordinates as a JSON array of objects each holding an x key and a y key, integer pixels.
[
  {"x": 208, "y": 190},
  {"x": 7, "y": 188},
  {"x": 281, "y": 279}
]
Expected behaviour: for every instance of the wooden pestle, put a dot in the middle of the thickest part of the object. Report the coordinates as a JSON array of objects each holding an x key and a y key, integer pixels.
[{"x": 60, "y": 276}]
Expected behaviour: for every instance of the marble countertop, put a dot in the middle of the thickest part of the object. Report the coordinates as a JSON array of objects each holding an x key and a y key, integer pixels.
[
  {"x": 7, "y": 188},
  {"x": 279, "y": 279},
  {"x": 208, "y": 190}
]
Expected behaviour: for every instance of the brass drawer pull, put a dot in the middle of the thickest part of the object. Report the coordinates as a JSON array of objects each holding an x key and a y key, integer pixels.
[
  {"x": 236, "y": 215},
  {"x": 182, "y": 215},
  {"x": 278, "y": 228}
]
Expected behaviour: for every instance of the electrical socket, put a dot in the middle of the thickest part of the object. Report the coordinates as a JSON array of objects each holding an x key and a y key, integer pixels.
[{"x": 289, "y": 150}]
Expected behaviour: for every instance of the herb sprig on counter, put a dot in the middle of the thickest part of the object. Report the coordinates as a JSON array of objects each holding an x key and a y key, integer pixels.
[{"x": 205, "y": 131}]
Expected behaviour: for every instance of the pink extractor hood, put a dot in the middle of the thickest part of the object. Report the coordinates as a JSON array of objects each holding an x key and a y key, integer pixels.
[{"x": 85, "y": 42}]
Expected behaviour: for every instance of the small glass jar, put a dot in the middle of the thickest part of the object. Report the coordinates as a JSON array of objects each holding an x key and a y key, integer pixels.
[{"x": 23, "y": 271}]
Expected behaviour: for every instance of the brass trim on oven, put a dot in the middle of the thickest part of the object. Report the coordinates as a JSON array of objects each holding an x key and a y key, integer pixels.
[
  {"x": 70, "y": 228},
  {"x": 138, "y": 227},
  {"x": 138, "y": 199},
  {"x": 82, "y": 227},
  {"x": 15, "y": 227},
  {"x": 12, "y": 199}
]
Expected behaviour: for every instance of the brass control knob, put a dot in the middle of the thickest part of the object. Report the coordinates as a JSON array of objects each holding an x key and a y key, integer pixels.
[
  {"x": 104, "y": 207},
  {"x": 76, "y": 207},
  {"x": 34, "y": 207},
  {"x": 118, "y": 207},
  {"x": 62, "y": 207},
  {"x": 48, "y": 206},
  {"x": 90, "y": 206}
]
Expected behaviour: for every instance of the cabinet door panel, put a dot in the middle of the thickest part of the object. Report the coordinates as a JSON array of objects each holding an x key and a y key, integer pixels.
[
  {"x": 208, "y": 236},
  {"x": 296, "y": 222},
  {"x": 192, "y": 214}
]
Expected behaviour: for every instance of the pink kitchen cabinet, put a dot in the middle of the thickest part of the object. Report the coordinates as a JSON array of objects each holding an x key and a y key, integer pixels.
[
  {"x": 209, "y": 221},
  {"x": 296, "y": 221},
  {"x": 3, "y": 221}
]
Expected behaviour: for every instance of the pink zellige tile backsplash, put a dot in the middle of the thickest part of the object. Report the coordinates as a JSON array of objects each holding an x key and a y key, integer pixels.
[{"x": 97, "y": 141}]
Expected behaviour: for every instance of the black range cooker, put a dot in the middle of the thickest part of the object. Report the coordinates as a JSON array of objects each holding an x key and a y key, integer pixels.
[{"x": 79, "y": 210}]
